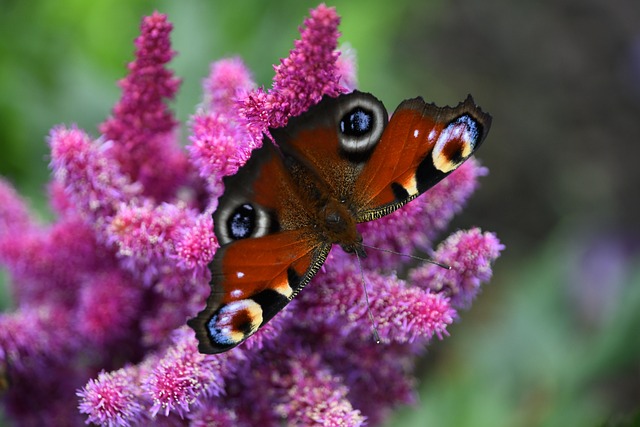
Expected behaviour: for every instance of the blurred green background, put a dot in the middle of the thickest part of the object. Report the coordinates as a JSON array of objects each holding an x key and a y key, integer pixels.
[{"x": 554, "y": 340}]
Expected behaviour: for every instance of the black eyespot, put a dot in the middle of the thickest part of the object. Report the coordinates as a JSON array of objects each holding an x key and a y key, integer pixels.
[
  {"x": 242, "y": 222},
  {"x": 357, "y": 122}
]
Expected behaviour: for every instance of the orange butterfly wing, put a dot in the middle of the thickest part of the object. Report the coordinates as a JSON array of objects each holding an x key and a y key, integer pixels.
[
  {"x": 315, "y": 140},
  {"x": 420, "y": 146},
  {"x": 266, "y": 256},
  {"x": 391, "y": 163},
  {"x": 253, "y": 279}
]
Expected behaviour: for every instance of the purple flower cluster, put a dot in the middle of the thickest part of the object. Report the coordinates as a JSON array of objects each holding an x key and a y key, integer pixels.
[{"x": 102, "y": 294}]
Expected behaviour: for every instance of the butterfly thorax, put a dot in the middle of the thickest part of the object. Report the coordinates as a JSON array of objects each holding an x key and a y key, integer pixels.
[
  {"x": 332, "y": 217},
  {"x": 339, "y": 226}
]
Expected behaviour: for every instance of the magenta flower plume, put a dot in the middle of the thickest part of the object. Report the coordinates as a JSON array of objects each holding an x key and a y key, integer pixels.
[
  {"x": 102, "y": 294},
  {"x": 92, "y": 182},
  {"x": 220, "y": 141},
  {"x": 14, "y": 214},
  {"x": 301, "y": 79},
  {"x": 142, "y": 127},
  {"x": 111, "y": 399},
  {"x": 228, "y": 82},
  {"x": 402, "y": 313},
  {"x": 182, "y": 375},
  {"x": 470, "y": 255},
  {"x": 314, "y": 395}
]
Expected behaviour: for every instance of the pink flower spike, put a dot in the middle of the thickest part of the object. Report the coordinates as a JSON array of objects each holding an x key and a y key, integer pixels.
[
  {"x": 310, "y": 72},
  {"x": 93, "y": 183},
  {"x": 59, "y": 200},
  {"x": 301, "y": 79},
  {"x": 220, "y": 145},
  {"x": 142, "y": 126},
  {"x": 31, "y": 339},
  {"x": 14, "y": 215},
  {"x": 406, "y": 314},
  {"x": 112, "y": 399},
  {"x": 228, "y": 81},
  {"x": 347, "y": 68},
  {"x": 213, "y": 413},
  {"x": 108, "y": 308},
  {"x": 221, "y": 140},
  {"x": 470, "y": 254},
  {"x": 401, "y": 314},
  {"x": 144, "y": 237},
  {"x": 315, "y": 397},
  {"x": 183, "y": 375},
  {"x": 48, "y": 265},
  {"x": 195, "y": 244},
  {"x": 379, "y": 377}
]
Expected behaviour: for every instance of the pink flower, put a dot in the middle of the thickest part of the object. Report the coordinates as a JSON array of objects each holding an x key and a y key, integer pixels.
[
  {"x": 112, "y": 400},
  {"x": 194, "y": 245},
  {"x": 142, "y": 127},
  {"x": 108, "y": 308},
  {"x": 313, "y": 395},
  {"x": 221, "y": 140},
  {"x": 92, "y": 182},
  {"x": 182, "y": 375},
  {"x": 229, "y": 81},
  {"x": 301, "y": 79},
  {"x": 219, "y": 147},
  {"x": 14, "y": 215},
  {"x": 470, "y": 254},
  {"x": 401, "y": 313},
  {"x": 347, "y": 68}
]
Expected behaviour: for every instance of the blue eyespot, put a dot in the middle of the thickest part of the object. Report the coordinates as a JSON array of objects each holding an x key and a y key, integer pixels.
[
  {"x": 241, "y": 222},
  {"x": 357, "y": 122}
]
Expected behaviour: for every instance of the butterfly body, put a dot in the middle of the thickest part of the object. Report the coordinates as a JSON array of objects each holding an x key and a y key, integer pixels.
[{"x": 340, "y": 163}]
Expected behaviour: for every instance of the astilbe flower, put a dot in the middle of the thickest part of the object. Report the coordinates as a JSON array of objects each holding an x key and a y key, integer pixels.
[
  {"x": 141, "y": 124},
  {"x": 309, "y": 72},
  {"x": 102, "y": 294},
  {"x": 112, "y": 399}
]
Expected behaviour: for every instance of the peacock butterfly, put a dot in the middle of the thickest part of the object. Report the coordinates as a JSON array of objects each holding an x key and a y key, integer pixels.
[{"x": 340, "y": 163}]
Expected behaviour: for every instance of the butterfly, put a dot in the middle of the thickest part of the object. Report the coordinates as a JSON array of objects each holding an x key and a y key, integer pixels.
[{"x": 338, "y": 164}]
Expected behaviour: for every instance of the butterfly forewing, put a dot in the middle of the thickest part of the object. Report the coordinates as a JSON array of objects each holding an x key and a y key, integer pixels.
[
  {"x": 267, "y": 253},
  {"x": 420, "y": 146},
  {"x": 326, "y": 140}
]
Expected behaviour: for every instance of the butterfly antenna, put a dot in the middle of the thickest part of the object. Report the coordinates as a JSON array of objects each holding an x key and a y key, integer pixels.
[
  {"x": 429, "y": 260},
  {"x": 376, "y": 336}
]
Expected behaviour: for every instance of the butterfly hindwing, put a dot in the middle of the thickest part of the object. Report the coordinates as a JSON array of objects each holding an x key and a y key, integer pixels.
[
  {"x": 253, "y": 279},
  {"x": 265, "y": 257}
]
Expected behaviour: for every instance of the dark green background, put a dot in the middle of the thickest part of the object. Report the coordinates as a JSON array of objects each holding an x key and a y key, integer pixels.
[{"x": 554, "y": 339}]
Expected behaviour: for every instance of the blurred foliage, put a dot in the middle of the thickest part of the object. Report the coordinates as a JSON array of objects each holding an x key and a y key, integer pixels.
[
  {"x": 558, "y": 345},
  {"x": 554, "y": 339}
]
